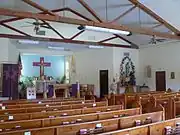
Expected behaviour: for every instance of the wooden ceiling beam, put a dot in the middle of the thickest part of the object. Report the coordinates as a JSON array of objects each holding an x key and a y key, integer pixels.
[
  {"x": 53, "y": 29},
  {"x": 44, "y": 10},
  {"x": 158, "y": 25},
  {"x": 17, "y": 18},
  {"x": 77, "y": 34},
  {"x": 54, "y": 11},
  {"x": 37, "y": 6},
  {"x": 23, "y": 14},
  {"x": 122, "y": 15},
  {"x": 78, "y": 14},
  {"x": 155, "y": 16},
  {"x": 126, "y": 40},
  {"x": 108, "y": 39},
  {"x": 14, "y": 29},
  {"x": 62, "y": 40},
  {"x": 93, "y": 13},
  {"x": 10, "y": 20},
  {"x": 85, "y": 5},
  {"x": 58, "y": 10}
]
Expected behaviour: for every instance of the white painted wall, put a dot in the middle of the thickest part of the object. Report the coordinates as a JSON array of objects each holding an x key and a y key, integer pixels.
[
  {"x": 8, "y": 52},
  {"x": 4, "y": 50},
  {"x": 13, "y": 53},
  {"x": 88, "y": 64},
  {"x": 164, "y": 57}
]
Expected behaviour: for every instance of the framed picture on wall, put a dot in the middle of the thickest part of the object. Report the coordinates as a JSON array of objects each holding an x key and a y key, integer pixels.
[{"x": 172, "y": 75}]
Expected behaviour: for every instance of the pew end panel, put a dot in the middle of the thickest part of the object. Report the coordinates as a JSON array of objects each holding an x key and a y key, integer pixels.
[
  {"x": 159, "y": 128},
  {"x": 140, "y": 130},
  {"x": 177, "y": 109}
]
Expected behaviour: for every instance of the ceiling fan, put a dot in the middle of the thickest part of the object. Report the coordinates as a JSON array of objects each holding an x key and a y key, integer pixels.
[
  {"x": 155, "y": 40},
  {"x": 37, "y": 25}
]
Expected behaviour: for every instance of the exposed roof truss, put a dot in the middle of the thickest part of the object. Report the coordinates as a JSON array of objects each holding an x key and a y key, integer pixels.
[{"x": 50, "y": 15}]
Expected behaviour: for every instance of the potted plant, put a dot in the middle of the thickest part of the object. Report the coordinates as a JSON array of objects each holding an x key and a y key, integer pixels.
[
  {"x": 29, "y": 82},
  {"x": 63, "y": 80},
  {"x": 22, "y": 89},
  {"x": 24, "y": 85}
]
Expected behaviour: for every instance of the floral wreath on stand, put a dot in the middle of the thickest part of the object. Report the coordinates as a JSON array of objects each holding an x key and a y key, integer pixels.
[{"x": 127, "y": 75}]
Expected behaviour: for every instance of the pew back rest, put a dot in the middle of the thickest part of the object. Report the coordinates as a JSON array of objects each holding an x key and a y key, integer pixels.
[
  {"x": 109, "y": 125},
  {"x": 38, "y": 115},
  {"x": 158, "y": 128},
  {"x": 37, "y": 123},
  {"x": 49, "y": 103},
  {"x": 101, "y": 109},
  {"x": 127, "y": 112},
  {"x": 128, "y": 122},
  {"x": 15, "y": 102},
  {"x": 51, "y": 108},
  {"x": 141, "y": 130}
]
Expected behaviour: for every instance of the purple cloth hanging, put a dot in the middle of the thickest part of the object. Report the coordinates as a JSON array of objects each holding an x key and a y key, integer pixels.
[
  {"x": 10, "y": 81},
  {"x": 74, "y": 90},
  {"x": 50, "y": 91}
]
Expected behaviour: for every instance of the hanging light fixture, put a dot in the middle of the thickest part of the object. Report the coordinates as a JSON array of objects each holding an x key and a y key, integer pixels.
[{"x": 105, "y": 30}]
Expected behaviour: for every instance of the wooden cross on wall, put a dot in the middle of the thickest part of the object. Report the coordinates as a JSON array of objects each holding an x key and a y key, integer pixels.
[{"x": 42, "y": 64}]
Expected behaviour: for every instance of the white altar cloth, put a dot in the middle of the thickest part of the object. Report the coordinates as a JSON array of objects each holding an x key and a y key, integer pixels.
[{"x": 42, "y": 86}]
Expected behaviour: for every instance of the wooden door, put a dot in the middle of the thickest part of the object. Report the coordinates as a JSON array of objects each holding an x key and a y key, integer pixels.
[
  {"x": 103, "y": 82},
  {"x": 160, "y": 81}
]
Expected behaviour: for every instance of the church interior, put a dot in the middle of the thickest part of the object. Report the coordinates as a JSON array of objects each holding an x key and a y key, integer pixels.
[{"x": 89, "y": 67}]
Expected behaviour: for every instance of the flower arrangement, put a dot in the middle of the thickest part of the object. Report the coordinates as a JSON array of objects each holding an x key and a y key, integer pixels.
[{"x": 127, "y": 72}]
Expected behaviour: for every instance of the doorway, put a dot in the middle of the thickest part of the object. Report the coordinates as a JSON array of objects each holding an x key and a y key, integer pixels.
[
  {"x": 103, "y": 74},
  {"x": 160, "y": 81}
]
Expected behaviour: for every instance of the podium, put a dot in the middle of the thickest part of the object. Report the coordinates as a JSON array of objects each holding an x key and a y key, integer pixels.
[{"x": 62, "y": 87}]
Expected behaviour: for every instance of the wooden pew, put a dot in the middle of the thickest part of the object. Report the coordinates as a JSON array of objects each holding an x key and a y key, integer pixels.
[
  {"x": 129, "y": 121},
  {"x": 38, "y": 123},
  {"x": 150, "y": 129},
  {"x": 38, "y": 115},
  {"x": 49, "y": 103},
  {"x": 145, "y": 102},
  {"x": 51, "y": 108},
  {"x": 108, "y": 125},
  {"x": 165, "y": 94},
  {"x": 157, "y": 128},
  {"x": 126, "y": 99},
  {"x": 175, "y": 108},
  {"x": 15, "y": 102},
  {"x": 129, "y": 98},
  {"x": 140, "y": 130},
  {"x": 72, "y": 129},
  {"x": 153, "y": 100},
  {"x": 167, "y": 102}
]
